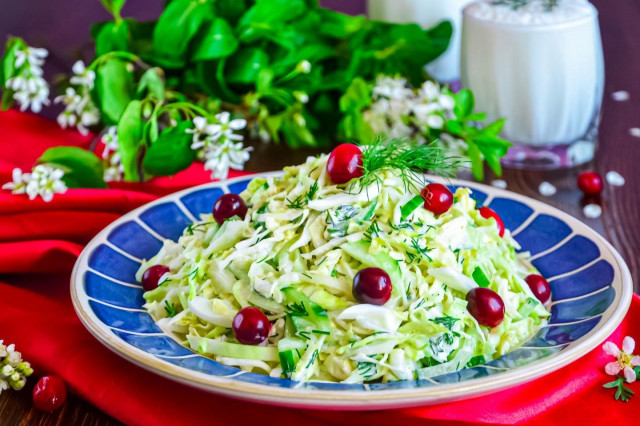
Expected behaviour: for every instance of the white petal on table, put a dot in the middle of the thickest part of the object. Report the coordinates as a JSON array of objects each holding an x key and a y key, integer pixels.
[
  {"x": 614, "y": 178},
  {"x": 547, "y": 189},
  {"x": 592, "y": 211}
]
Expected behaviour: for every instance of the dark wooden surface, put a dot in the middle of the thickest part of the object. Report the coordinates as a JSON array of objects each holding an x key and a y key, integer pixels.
[{"x": 619, "y": 151}]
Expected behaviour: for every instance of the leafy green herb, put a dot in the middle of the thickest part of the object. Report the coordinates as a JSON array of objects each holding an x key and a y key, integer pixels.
[
  {"x": 171, "y": 309},
  {"x": 623, "y": 393},
  {"x": 372, "y": 232},
  {"x": 311, "y": 193},
  {"x": 334, "y": 273},
  {"x": 407, "y": 159},
  {"x": 367, "y": 369},
  {"x": 446, "y": 321},
  {"x": 298, "y": 203},
  {"x": 476, "y": 360}
]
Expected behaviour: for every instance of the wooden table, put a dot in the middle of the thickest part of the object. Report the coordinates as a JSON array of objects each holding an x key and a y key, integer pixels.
[{"x": 619, "y": 151}]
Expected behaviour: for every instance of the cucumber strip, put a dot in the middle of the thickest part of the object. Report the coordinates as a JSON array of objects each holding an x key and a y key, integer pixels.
[
  {"x": 233, "y": 350},
  {"x": 411, "y": 206},
  {"x": 304, "y": 312}
]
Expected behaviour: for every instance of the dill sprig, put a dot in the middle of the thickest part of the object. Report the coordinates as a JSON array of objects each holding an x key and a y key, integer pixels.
[{"x": 409, "y": 160}]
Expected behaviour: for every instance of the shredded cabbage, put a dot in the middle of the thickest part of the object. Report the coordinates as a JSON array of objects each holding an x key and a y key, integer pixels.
[{"x": 295, "y": 255}]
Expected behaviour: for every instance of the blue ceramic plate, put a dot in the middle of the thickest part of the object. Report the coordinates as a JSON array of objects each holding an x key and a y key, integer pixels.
[{"x": 591, "y": 287}]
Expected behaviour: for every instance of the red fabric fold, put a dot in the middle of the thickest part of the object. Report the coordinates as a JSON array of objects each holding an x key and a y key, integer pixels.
[{"x": 39, "y": 243}]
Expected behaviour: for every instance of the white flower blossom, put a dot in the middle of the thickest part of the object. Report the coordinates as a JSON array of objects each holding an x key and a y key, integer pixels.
[
  {"x": 219, "y": 158},
  {"x": 204, "y": 132},
  {"x": 219, "y": 145},
  {"x": 44, "y": 181},
  {"x": 392, "y": 88},
  {"x": 13, "y": 370},
  {"x": 30, "y": 89},
  {"x": 113, "y": 170},
  {"x": 83, "y": 76},
  {"x": 303, "y": 67},
  {"x": 80, "y": 110}
]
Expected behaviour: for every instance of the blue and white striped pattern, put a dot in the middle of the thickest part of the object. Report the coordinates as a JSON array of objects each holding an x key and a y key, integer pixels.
[{"x": 582, "y": 282}]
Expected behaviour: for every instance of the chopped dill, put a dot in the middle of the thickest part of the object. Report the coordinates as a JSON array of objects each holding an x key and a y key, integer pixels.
[{"x": 171, "y": 309}]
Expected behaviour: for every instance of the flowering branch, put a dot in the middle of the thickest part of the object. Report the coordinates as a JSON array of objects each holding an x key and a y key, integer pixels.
[{"x": 13, "y": 370}]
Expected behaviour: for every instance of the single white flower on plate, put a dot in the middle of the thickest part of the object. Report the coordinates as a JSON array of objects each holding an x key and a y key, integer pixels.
[
  {"x": 625, "y": 361},
  {"x": 43, "y": 181}
]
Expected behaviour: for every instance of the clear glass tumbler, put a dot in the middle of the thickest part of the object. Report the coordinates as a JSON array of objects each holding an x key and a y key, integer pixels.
[{"x": 542, "y": 70}]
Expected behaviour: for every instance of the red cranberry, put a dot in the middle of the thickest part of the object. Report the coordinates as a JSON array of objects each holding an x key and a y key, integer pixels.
[
  {"x": 590, "y": 183},
  {"x": 344, "y": 163},
  {"x": 486, "y": 306},
  {"x": 437, "y": 198},
  {"x": 251, "y": 326},
  {"x": 228, "y": 206},
  {"x": 372, "y": 285},
  {"x": 151, "y": 277},
  {"x": 539, "y": 286},
  {"x": 49, "y": 393},
  {"x": 487, "y": 213}
]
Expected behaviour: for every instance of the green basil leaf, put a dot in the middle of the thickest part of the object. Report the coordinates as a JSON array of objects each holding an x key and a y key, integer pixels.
[
  {"x": 82, "y": 169},
  {"x": 440, "y": 37},
  {"x": 476, "y": 160},
  {"x": 112, "y": 36},
  {"x": 231, "y": 10},
  {"x": 171, "y": 152},
  {"x": 339, "y": 25},
  {"x": 465, "y": 103},
  {"x": 152, "y": 83},
  {"x": 217, "y": 41},
  {"x": 113, "y": 89},
  {"x": 177, "y": 26},
  {"x": 494, "y": 128},
  {"x": 8, "y": 69},
  {"x": 357, "y": 96},
  {"x": 130, "y": 140},
  {"x": 244, "y": 67},
  {"x": 273, "y": 11},
  {"x": 454, "y": 127},
  {"x": 265, "y": 78}
]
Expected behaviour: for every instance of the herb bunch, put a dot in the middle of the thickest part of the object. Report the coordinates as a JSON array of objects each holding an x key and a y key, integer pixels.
[{"x": 408, "y": 159}]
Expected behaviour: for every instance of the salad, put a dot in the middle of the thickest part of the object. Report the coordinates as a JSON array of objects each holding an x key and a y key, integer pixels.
[{"x": 348, "y": 268}]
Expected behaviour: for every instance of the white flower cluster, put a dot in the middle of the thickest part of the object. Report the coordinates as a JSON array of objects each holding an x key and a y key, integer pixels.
[
  {"x": 30, "y": 89},
  {"x": 13, "y": 370},
  {"x": 218, "y": 144},
  {"x": 113, "y": 171},
  {"x": 399, "y": 111},
  {"x": 79, "y": 110},
  {"x": 44, "y": 180}
]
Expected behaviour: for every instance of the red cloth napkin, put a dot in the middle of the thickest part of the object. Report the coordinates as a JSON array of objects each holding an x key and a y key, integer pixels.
[{"x": 38, "y": 246}]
